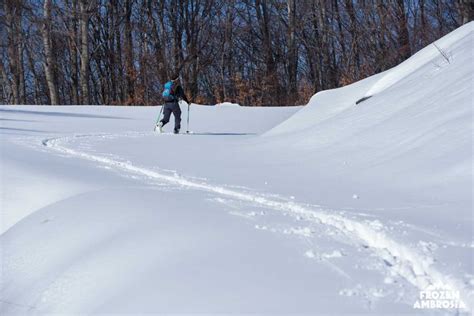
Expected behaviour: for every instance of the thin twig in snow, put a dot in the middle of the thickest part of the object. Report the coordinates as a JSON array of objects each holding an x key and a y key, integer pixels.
[{"x": 443, "y": 53}]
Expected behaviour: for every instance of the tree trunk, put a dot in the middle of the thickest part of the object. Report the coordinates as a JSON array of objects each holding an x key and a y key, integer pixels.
[
  {"x": 129, "y": 69},
  {"x": 36, "y": 78},
  {"x": 423, "y": 30},
  {"x": 13, "y": 16},
  {"x": 73, "y": 45},
  {"x": 84, "y": 52},
  {"x": 292, "y": 52},
  {"x": 48, "y": 52},
  {"x": 270, "y": 83},
  {"x": 3, "y": 84},
  {"x": 355, "y": 57},
  {"x": 324, "y": 47},
  {"x": 403, "y": 34}
]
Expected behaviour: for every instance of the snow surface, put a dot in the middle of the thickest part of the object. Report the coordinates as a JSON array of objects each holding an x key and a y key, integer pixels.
[
  {"x": 332, "y": 208},
  {"x": 227, "y": 104}
]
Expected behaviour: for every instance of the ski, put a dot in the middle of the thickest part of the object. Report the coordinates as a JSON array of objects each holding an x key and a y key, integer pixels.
[{"x": 171, "y": 133}]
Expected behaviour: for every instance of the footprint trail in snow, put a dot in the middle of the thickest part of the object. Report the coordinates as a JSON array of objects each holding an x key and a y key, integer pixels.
[{"x": 407, "y": 263}]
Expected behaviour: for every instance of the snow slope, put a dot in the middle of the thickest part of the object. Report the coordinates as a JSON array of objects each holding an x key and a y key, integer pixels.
[
  {"x": 417, "y": 123},
  {"x": 332, "y": 208}
]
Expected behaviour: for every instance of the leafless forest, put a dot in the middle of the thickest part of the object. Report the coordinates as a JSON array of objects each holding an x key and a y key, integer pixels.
[{"x": 253, "y": 52}]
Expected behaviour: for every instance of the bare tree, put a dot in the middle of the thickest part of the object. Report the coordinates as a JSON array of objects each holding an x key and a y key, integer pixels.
[
  {"x": 84, "y": 22},
  {"x": 292, "y": 52},
  {"x": 129, "y": 56},
  {"x": 48, "y": 52},
  {"x": 13, "y": 15}
]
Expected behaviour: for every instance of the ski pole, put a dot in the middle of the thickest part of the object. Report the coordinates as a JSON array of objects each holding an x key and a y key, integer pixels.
[
  {"x": 187, "y": 129},
  {"x": 159, "y": 116}
]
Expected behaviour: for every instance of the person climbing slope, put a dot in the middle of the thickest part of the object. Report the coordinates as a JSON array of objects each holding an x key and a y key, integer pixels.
[{"x": 172, "y": 93}]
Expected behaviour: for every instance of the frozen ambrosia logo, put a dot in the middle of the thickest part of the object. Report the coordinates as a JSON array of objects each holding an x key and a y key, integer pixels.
[{"x": 439, "y": 297}]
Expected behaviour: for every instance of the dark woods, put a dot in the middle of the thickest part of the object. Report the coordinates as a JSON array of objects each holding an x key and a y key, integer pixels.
[{"x": 253, "y": 52}]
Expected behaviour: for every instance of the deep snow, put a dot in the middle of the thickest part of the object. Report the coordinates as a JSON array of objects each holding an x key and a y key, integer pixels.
[{"x": 331, "y": 208}]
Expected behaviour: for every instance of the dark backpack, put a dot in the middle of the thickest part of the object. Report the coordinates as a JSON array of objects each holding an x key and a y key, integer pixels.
[{"x": 169, "y": 92}]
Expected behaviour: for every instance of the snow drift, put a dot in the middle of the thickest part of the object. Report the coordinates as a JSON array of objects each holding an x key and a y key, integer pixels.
[{"x": 417, "y": 122}]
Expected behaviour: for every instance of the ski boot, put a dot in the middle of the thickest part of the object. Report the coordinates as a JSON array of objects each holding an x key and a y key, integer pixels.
[{"x": 159, "y": 126}]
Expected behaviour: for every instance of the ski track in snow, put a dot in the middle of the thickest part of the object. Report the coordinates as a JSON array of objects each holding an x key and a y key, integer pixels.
[{"x": 402, "y": 260}]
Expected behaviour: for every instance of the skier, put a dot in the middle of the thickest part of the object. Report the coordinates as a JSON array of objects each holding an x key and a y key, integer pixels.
[{"x": 172, "y": 93}]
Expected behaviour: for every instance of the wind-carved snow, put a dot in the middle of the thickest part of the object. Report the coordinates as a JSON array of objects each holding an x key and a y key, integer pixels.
[{"x": 402, "y": 260}]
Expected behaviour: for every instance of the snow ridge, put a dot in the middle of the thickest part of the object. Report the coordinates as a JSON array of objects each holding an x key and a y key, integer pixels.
[
  {"x": 418, "y": 60},
  {"x": 404, "y": 261}
]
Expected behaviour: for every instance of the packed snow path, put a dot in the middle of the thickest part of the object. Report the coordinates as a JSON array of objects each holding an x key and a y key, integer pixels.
[{"x": 403, "y": 261}]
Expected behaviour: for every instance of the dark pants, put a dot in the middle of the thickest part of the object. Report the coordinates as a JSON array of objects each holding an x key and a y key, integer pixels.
[{"x": 175, "y": 109}]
